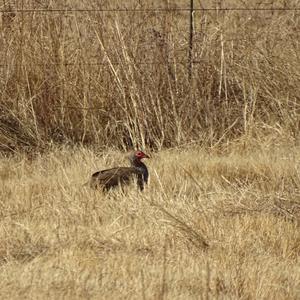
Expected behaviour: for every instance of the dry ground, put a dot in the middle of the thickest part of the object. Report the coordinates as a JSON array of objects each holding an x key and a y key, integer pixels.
[{"x": 209, "y": 226}]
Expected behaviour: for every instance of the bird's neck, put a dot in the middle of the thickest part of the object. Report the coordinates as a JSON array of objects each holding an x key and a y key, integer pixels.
[{"x": 136, "y": 163}]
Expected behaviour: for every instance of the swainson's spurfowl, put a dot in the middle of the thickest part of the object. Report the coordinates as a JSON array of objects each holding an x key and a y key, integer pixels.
[{"x": 110, "y": 178}]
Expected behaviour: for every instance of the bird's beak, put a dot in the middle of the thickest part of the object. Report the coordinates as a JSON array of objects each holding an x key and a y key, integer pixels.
[{"x": 146, "y": 156}]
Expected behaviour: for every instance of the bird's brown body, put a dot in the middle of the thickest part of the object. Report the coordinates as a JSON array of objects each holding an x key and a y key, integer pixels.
[{"x": 110, "y": 178}]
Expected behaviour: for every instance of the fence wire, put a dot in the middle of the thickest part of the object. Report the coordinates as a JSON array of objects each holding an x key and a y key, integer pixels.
[
  {"x": 13, "y": 11},
  {"x": 127, "y": 10}
]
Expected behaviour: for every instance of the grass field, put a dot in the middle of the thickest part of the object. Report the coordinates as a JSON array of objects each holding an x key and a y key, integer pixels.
[
  {"x": 220, "y": 217},
  {"x": 208, "y": 226}
]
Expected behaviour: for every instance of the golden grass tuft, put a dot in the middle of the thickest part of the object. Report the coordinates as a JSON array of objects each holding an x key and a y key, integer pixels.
[{"x": 209, "y": 225}]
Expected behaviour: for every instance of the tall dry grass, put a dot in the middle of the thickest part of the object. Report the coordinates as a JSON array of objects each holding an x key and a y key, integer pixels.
[
  {"x": 208, "y": 226},
  {"x": 120, "y": 78}
]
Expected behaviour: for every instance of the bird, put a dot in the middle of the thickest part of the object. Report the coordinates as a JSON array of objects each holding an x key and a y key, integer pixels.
[{"x": 119, "y": 176}]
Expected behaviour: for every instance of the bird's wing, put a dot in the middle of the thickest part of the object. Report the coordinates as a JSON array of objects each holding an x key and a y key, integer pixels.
[{"x": 113, "y": 176}]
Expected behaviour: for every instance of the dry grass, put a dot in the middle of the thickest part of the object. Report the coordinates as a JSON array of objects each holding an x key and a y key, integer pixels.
[
  {"x": 121, "y": 78},
  {"x": 218, "y": 223},
  {"x": 221, "y": 226}
]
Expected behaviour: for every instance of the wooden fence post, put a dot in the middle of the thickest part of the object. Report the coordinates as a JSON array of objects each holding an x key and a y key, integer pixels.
[{"x": 190, "y": 58}]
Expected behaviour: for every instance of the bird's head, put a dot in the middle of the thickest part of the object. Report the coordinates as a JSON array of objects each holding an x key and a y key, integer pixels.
[{"x": 140, "y": 155}]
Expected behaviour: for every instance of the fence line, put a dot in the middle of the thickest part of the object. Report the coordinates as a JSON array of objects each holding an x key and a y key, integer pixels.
[
  {"x": 147, "y": 10},
  {"x": 99, "y": 64},
  {"x": 10, "y": 11}
]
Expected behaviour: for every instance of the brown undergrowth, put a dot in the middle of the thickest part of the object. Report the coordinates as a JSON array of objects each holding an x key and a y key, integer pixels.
[{"x": 121, "y": 78}]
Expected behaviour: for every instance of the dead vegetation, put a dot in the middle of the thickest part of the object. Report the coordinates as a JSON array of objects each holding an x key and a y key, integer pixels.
[
  {"x": 121, "y": 78},
  {"x": 214, "y": 226},
  {"x": 220, "y": 217}
]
